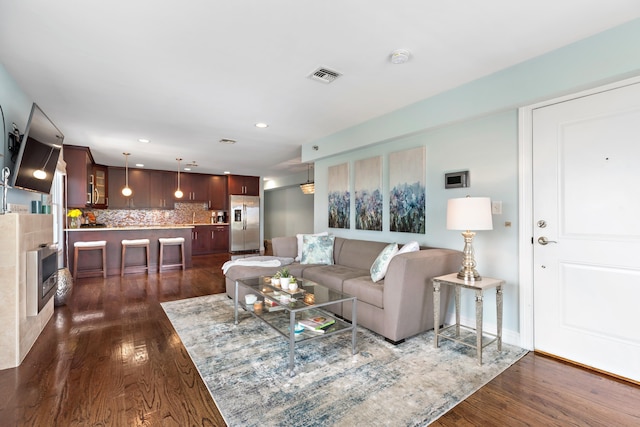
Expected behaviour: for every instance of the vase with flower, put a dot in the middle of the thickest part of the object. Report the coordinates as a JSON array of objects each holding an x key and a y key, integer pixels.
[{"x": 74, "y": 215}]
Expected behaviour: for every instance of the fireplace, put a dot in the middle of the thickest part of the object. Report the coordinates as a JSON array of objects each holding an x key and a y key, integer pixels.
[{"x": 42, "y": 265}]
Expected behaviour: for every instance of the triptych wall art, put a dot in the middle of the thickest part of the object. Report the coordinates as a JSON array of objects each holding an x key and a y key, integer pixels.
[
  {"x": 368, "y": 193},
  {"x": 339, "y": 196},
  {"x": 407, "y": 193}
]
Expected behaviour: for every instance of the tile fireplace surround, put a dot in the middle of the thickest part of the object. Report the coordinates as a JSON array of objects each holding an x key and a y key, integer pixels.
[{"x": 20, "y": 233}]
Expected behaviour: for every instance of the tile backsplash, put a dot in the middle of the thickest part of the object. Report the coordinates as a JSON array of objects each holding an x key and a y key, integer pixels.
[{"x": 184, "y": 213}]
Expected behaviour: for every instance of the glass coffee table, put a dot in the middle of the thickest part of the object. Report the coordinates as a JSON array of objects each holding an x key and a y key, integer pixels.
[{"x": 282, "y": 310}]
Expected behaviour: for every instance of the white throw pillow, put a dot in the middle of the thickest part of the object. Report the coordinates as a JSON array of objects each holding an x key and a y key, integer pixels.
[
  {"x": 412, "y": 246},
  {"x": 300, "y": 238},
  {"x": 380, "y": 265}
]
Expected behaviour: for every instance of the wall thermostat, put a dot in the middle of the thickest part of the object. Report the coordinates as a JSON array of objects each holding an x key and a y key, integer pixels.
[{"x": 456, "y": 179}]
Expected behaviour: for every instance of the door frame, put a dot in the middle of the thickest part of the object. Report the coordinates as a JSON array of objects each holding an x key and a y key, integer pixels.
[{"x": 525, "y": 203}]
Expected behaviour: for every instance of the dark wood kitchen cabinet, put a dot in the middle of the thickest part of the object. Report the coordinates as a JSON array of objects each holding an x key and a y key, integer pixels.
[
  {"x": 220, "y": 237},
  {"x": 139, "y": 184},
  {"x": 99, "y": 181},
  {"x": 162, "y": 185},
  {"x": 207, "y": 239},
  {"x": 201, "y": 239},
  {"x": 194, "y": 186},
  {"x": 79, "y": 168},
  {"x": 87, "y": 183},
  {"x": 218, "y": 199},
  {"x": 244, "y": 185}
]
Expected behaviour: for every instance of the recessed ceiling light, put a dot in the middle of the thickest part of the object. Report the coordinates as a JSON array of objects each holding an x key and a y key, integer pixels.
[
  {"x": 227, "y": 141},
  {"x": 227, "y": 172},
  {"x": 144, "y": 140},
  {"x": 187, "y": 169},
  {"x": 140, "y": 165},
  {"x": 262, "y": 125}
]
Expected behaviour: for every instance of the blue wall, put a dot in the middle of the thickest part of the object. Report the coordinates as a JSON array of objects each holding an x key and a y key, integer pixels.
[
  {"x": 475, "y": 127},
  {"x": 16, "y": 106}
]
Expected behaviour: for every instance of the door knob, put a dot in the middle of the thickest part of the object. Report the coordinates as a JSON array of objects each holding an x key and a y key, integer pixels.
[{"x": 544, "y": 241}]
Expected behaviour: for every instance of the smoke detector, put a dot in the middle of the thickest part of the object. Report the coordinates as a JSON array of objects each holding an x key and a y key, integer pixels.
[
  {"x": 324, "y": 75},
  {"x": 400, "y": 56}
]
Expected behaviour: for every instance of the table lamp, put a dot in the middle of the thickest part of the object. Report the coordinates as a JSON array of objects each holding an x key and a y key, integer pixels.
[{"x": 469, "y": 213}]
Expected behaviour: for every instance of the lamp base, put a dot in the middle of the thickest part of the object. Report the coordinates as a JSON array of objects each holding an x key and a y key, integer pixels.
[
  {"x": 468, "y": 271},
  {"x": 471, "y": 275}
]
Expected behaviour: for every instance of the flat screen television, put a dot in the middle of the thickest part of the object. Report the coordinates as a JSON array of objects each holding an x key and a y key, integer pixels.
[{"x": 39, "y": 152}]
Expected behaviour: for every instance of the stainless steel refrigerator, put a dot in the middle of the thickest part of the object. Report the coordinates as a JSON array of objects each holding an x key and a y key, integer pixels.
[{"x": 245, "y": 223}]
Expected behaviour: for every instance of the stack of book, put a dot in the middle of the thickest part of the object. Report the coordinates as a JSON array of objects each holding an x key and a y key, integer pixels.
[{"x": 318, "y": 324}]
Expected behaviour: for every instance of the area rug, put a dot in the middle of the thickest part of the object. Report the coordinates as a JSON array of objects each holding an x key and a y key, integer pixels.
[{"x": 245, "y": 369}]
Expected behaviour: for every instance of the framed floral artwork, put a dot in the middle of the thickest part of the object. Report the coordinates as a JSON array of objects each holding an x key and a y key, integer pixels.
[
  {"x": 407, "y": 194},
  {"x": 339, "y": 196},
  {"x": 368, "y": 194}
]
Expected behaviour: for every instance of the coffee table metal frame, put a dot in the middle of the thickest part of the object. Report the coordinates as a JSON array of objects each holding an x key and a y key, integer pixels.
[{"x": 323, "y": 296}]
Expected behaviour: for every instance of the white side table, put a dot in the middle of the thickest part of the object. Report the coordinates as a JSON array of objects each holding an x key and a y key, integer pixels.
[{"x": 479, "y": 287}]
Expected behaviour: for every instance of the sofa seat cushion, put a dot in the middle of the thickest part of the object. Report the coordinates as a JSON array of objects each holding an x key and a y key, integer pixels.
[
  {"x": 332, "y": 276},
  {"x": 366, "y": 290}
]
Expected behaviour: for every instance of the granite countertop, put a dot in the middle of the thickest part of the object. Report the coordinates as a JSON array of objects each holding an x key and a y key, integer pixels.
[{"x": 143, "y": 227}]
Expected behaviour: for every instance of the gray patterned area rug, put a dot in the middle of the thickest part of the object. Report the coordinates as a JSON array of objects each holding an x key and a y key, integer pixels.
[{"x": 245, "y": 369}]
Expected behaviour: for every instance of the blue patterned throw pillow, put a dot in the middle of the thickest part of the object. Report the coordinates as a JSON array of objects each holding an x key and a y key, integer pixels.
[
  {"x": 317, "y": 250},
  {"x": 380, "y": 265}
]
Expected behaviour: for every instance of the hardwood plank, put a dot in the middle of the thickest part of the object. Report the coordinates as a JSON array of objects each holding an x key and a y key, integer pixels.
[{"x": 112, "y": 358}]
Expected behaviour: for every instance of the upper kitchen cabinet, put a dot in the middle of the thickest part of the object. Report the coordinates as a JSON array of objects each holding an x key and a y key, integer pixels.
[
  {"x": 162, "y": 185},
  {"x": 218, "y": 199},
  {"x": 194, "y": 186},
  {"x": 139, "y": 184},
  {"x": 79, "y": 169},
  {"x": 244, "y": 185},
  {"x": 99, "y": 183}
]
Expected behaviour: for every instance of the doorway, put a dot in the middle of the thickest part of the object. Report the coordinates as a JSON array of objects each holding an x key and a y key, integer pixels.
[{"x": 581, "y": 273}]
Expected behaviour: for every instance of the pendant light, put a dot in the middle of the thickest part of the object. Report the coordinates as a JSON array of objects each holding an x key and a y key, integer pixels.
[
  {"x": 178, "y": 194},
  {"x": 126, "y": 191},
  {"x": 308, "y": 187}
]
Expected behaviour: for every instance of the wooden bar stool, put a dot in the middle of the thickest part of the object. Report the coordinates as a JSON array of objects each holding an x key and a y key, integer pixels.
[
  {"x": 90, "y": 246},
  {"x": 170, "y": 241},
  {"x": 136, "y": 243}
]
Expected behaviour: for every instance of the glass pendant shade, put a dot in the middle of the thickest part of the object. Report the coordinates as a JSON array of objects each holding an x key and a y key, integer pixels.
[
  {"x": 308, "y": 187},
  {"x": 178, "y": 194},
  {"x": 126, "y": 191}
]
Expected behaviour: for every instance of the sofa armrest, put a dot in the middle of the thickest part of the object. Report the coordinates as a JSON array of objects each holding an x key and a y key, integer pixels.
[
  {"x": 285, "y": 246},
  {"x": 408, "y": 290}
]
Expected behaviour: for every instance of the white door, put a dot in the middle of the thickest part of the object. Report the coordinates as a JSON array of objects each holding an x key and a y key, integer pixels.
[{"x": 586, "y": 202}]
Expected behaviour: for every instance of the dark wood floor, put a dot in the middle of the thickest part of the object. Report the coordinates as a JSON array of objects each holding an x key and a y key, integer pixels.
[{"x": 111, "y": 358}]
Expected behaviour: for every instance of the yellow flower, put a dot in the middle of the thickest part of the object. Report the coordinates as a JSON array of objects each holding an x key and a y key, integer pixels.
[{"x": 74, "y": 213}]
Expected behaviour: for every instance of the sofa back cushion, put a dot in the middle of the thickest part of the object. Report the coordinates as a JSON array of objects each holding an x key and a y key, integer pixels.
[
  {"x": 357, "y": 253},
  {"x": 285, "y": 246}
]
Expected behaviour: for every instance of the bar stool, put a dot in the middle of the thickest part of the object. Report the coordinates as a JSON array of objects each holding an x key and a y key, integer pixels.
[
  {"x": 136, "y": 243},
  {"x": 170, "y": 241},
  {"x": 90, "y": 246}
]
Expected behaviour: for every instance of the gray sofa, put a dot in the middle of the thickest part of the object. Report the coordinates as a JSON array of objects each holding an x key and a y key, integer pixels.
[{"x": 397, "y": 307}]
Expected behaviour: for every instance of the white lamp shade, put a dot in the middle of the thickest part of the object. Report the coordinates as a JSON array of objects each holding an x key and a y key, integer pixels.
[{"x": 469, "y": 213}]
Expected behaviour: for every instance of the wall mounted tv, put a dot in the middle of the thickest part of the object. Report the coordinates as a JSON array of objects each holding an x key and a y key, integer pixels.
[{"x": 39, "y": 151}]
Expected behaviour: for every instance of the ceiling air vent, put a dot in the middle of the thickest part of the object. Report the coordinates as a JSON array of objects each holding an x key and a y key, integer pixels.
[
  {"x": 227, "y": 141},
  {"x": 324, "y": 75}
]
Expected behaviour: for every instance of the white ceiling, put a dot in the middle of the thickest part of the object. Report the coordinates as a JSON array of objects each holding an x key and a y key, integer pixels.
[{"x": 186, "y": 74}]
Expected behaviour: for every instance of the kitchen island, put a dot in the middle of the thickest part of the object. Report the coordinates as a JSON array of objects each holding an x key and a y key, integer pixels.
[{"x": 114, "y": 235}]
